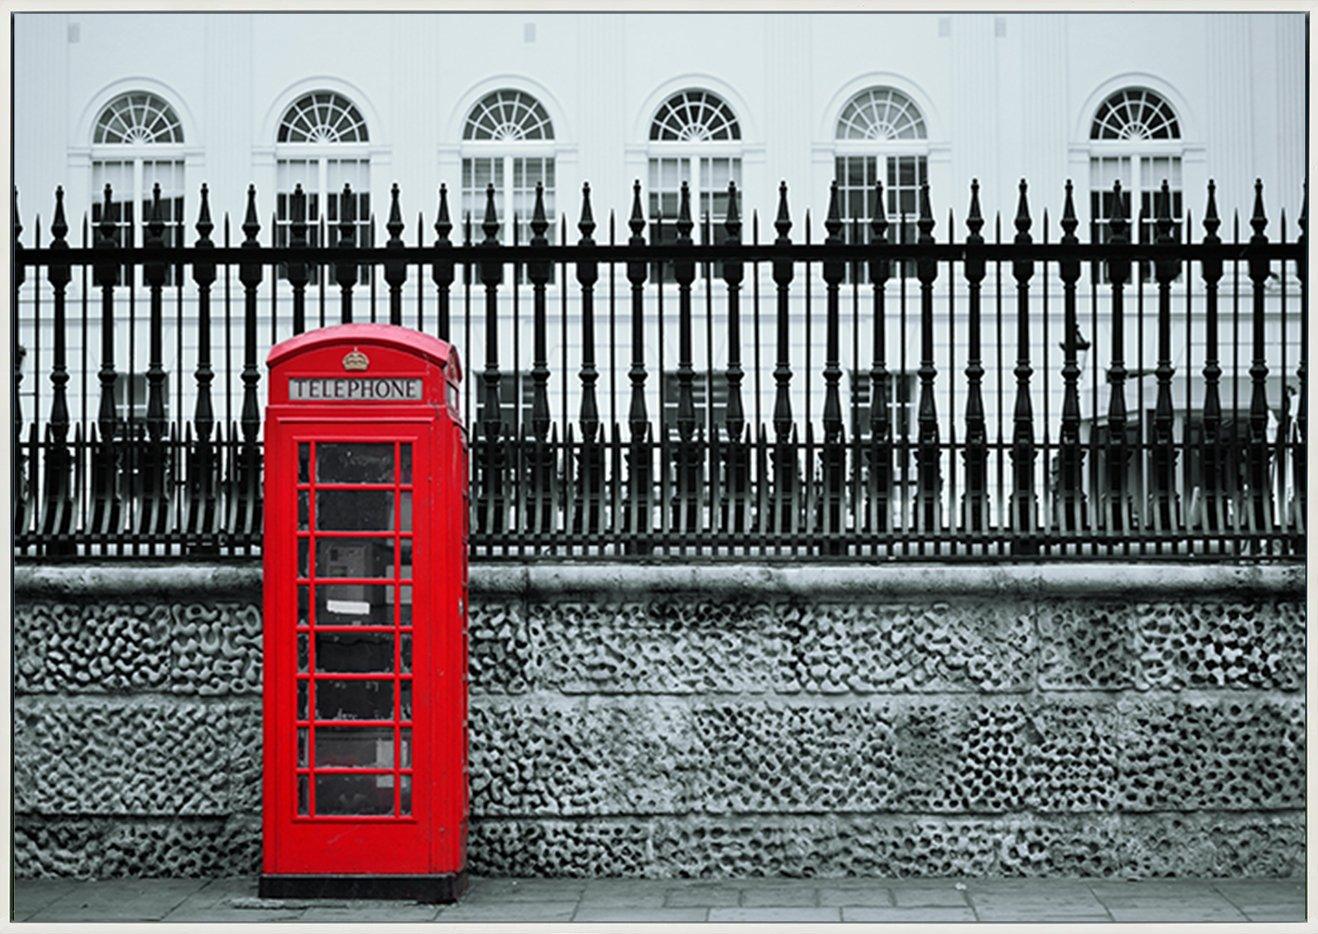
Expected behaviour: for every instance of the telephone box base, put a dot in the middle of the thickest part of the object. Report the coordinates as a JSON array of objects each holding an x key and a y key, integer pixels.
[{"x": 438, "y": 888}]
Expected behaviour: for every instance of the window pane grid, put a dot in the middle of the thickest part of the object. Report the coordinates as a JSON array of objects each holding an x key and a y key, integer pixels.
[{"x": 353, "y": 715}]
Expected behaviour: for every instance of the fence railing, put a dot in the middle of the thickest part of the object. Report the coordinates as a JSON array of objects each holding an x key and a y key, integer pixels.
[{"x": 937, "y": 398}]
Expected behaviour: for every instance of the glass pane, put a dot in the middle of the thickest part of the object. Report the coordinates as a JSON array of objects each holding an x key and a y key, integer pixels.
[
  {"x": 405, "y": 700},
  {"x": 303, "y": 568},
  {"x": 405, "y": 794},
  {"x": 405, "y": 653},
  {"x": 343, "y": 462},
  {"x": 303, "y": 806},
  {"x": 354, "y": 794},
  {"x": 354, "y": 510},
  {"x": 405, "y": 511},
  {"x": 302, "y": 748},
  {"x": 303, "y": 462},
  {"x": 405, "y": 749},
  {"x": 303, "y": 606},
  {"x": 303, "y": 511},
  {"x": 302, "y": 689},
  {"x": 351, "y": 652},
  {"x": 354, "y": 700},
  {"x": 302, "y": 657},
  {"x": 405, "y": 463},
  {"x": 355, "y": 557},
  {"x": 405, "y": 558},
  {"x": 355, "y": 605},
  {"x": 361, "y": 747}
]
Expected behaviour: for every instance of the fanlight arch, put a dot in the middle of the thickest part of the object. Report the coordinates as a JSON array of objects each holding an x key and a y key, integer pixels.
[
  {"x": 322, "y": 117},
  {"x": 695, "y": 115},
  {"x": 1135, "y": 114},
  {"x": 881, "y": 113},
  {"x": 137, "y": 118},
  {"x": 508, "y": 115}
]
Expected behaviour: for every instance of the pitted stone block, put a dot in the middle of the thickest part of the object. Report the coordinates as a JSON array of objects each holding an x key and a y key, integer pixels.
[
  {"x": 1212, "y": 845},
  {"x": 1191, "y": 644},
  {"x": 1058, "y": 847},
  {"x": 822, "y": 846},
  {"x": 559, "y": 848},
  {"x": 140, "y": 848},
  {"x": 575, "y": 757},
  {"x": 244, "y": 750},
  {"x": 905, "y": 648},
  {"x": 1086, "y": 646},
  {"x": 137, "y": 757},
  {"x": 789, "y": 757},
  {"x": 1221, "y": 753},
  {"x": 1072, "y": 759},
  {"x": 62, "y": 647},
  {"x": 962, "y": 757},
  {"x": 215, "y": 648},
  {"x": 668, "y": 646},
  {"x": 504, "y": 653}
]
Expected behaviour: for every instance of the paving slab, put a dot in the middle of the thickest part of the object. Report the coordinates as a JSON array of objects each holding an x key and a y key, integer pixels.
[
  {"x": 523, "y": 890},
  {"x": 1282, "y": 913},
  {"x": 781, "y": 894},
  {"x": 868, "y": 895},
  {"x": 620, "y": 915},
  {"x": 626, "y": 893},
  {"x": 508, "y": 911},
  {"x": 28, "y": 896},
  {"x": 234, "y": 901},
  {"x": 1187, "y": 913},
  {"x": 120, "y": 900},
  {"x": 704, "y": 895},
  {"x": 400, "y": 913},
  {"x": 916, "y": 895},
  {"x": 776, "y": 915},
  {"x": 1253, "y": 896},
  {"x": 891, "y": 915}
]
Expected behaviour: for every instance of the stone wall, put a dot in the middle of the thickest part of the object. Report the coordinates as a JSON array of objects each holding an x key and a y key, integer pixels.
[{"x": 1122, "y": 721}]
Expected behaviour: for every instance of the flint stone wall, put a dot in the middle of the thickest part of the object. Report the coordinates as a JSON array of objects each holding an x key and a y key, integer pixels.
[{"x": 1123, "y": 721}]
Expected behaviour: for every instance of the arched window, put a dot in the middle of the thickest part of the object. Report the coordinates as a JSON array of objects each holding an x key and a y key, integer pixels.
[
  {"x": 881, "y": 135},
  {"x": 508, "y": 142},
  {"x": 137, "y": 118},
  {"x": 137, "y": 142},
  {"x": 881, "y": 114},
  {"x": 695, "y": 116},
  {"x": 322, "y": 145},
  {"x": 1134, "y": 138},
  {"x": 695, "y": 137},
  {"x": 1135, "y": 113}
]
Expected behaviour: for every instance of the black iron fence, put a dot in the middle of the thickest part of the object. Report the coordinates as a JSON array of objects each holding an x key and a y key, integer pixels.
[{"x": 963, "y": 395}]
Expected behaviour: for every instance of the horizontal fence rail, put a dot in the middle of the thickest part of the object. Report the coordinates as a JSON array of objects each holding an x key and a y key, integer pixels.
[{"x": 680, "y": 389}]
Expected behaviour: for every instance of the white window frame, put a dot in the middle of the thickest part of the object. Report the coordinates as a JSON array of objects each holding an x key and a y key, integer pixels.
[
  {"x": 138, "y": 154},
  {"x": 1139, "y": 155},
  {"x": 507, "y": 152},
  {"x": 321, "y": 155},
  {"x": 690, "y": 155},
  {"x": 881, "y": 150}
]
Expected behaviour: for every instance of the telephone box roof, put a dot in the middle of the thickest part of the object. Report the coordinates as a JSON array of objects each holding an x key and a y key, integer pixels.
[{"x": 380, "y": 335}]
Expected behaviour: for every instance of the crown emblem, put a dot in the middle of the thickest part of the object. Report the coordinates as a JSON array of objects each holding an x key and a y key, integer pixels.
[{"x": 355, "y": 360}]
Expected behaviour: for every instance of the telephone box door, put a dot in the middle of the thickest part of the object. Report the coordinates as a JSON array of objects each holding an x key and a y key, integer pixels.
[{"x": 353, "y": 782}]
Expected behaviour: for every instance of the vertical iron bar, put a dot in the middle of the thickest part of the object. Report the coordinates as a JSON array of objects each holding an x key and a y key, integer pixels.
[
  {"x": 1260, "y": 516},
  {"x": 395, "y": 271},
  {"x": 833, "y": 453},
  {"x": 1070, "y": 506}
]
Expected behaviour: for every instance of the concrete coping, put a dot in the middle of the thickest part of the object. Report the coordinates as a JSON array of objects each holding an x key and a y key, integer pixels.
[{"x": 814, "y": 581}]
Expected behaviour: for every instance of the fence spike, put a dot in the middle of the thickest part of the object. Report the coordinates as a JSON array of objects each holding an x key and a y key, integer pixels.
[
  {"x": 974, "y": 501},
  {"x": 1260, "y": 508}
]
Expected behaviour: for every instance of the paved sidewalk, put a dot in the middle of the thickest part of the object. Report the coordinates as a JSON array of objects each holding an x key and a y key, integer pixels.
[{"x": 803, "y": 901}]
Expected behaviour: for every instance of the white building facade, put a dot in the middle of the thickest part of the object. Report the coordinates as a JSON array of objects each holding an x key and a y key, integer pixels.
[{"x": 516, "y": 99}]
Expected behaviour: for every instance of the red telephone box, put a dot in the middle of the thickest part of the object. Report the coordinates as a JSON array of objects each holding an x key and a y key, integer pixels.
[{"x": 365, "y": 576}]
